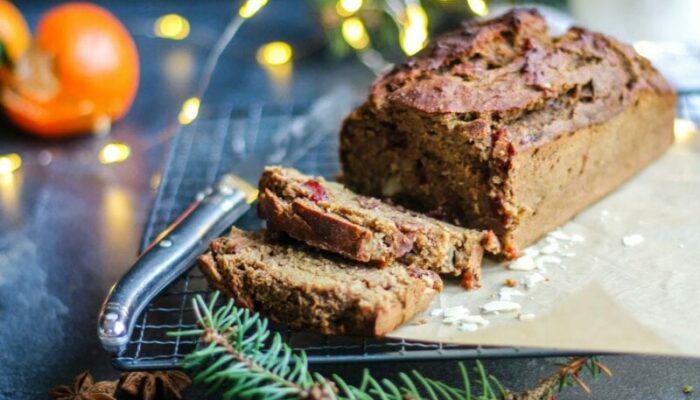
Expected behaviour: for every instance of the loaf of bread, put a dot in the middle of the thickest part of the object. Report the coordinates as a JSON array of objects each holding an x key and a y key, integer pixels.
[
  {"x": 502, "y": 127},
  {"x": 328, "y": 216},
  {"x": 306, "y": 289}
]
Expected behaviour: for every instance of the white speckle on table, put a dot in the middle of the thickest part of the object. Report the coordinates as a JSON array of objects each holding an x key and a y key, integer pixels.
[
  {"x": 526, "y": 317},
  {"x": 468, "y": 327},
  {"x": 569, "y": 254},
  {"x": 632, "y": 240},
  {"x": 500, "y": 306},
  {"x": 524, "y": 263},
  {"x": 507, "y": 293},
  {"x": 681, "y": 245},
  {"x": 533, "y": 279}
]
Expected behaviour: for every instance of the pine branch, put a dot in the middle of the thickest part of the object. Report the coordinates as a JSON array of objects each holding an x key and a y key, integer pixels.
[{"x": 233, "y": 357}]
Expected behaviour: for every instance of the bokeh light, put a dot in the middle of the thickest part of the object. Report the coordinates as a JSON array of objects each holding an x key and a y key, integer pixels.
[{"x": 172, "y": 26}]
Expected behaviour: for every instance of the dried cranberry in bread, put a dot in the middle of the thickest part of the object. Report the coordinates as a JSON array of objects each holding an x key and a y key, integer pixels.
[
  {"x": 306, "y": 289},
  {"x": 501, "y": 126},
  {"x": 328, "y": 216}
]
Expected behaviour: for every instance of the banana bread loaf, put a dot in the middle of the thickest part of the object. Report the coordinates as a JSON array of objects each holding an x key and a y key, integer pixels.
[
  {"x": 328, "y": 216},
  {"x": 501, "y": 126},
  {"x": 305, "y": 289}
]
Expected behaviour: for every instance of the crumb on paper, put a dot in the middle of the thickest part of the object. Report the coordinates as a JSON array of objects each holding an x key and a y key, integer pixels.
[
  {"x": 687, "y": 389},
  {"x": 468, "y": 327},
  {"x": 438, "y": 312},
  {"x": 526, "y": 316},
  {"x": 551, "y": 248},
  {"x": 524, "y": 263},
  {"x": 507, "y": 293},
  {"x": 455, "y": 311},
  {"x": 500, "y": 306},
  {"x": 421, "y": 321},
  {"x": 533, "y": 279},
  {"x": 541, "y": 261},
  {"x": 632, "y": 240},
  {"x": 510, "y": 282},
  {"x": 531, "y": 251}
]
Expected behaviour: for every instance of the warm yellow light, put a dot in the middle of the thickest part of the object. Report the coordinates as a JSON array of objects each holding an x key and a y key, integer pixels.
[
  {"x": 190, "y": 110},
  {"x": 274, "y": 53},
  {"x": 415, "y": 15},
  {"x": 683, "y": 129},
  {"x": 172, "y": 26},
  {"x": 251, "y": 7},
  {"x": 10, "y": 163},
  {"x": 114, "y": 153},
  {"x": 413, "y": 39},
  {"x": 478, "y": 7},
  {"x": 347, "y": 8},
  {"x": 354, "y": 33}
]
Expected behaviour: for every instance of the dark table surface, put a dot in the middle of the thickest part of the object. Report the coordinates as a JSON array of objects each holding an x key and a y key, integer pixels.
[{"x": 69, "y": 226}]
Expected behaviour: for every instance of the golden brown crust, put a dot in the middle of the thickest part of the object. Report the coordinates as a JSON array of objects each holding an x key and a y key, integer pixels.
[
  {"x": 307, "y": 290},
  {"x": 456, "y": 129}
]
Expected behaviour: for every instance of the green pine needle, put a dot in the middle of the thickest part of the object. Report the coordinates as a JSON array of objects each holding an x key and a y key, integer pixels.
[{"x": 238, "y": 356}]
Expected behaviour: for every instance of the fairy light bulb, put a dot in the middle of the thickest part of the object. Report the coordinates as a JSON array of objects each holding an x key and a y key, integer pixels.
[
  {"x": 190, "y": 110},
  {"x": 346, "y": 8},
  {"x": 113, "y": 153},
  {"x": 354, "y": 33},
  {"x": 478, "y": 7},
  {"x": 274, "y": 53},
  {"x": 10, "y": 163},
  {"x": 172, "y": 26},
  {"x": 251, "y": 7}
]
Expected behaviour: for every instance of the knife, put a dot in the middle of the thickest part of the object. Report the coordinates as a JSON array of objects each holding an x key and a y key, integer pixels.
[{"x": 171, "y": 254}]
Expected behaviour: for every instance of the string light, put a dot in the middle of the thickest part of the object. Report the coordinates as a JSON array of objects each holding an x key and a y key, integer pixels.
[
  {"x": 251, "y": 7},
  {"x": 114, "y": 153},
  {"x": 274, "y": 53},
  {"x": 172, "y": 26},
  {"x": 354, "y": 33},
  {"x": 190, "y": 110},
  {"x": 683, "y": 129},
  {"x": 347, "y": 8},
  {"x": 10, "y": 163},
  {"x": 478, "y": 7},
  {"x": 414, "y": 34}
]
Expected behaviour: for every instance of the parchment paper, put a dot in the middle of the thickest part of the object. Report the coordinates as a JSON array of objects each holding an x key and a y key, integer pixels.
[{"x": 610, "y": 297}]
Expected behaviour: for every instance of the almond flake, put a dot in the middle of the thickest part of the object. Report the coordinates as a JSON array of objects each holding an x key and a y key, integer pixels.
[
  {"x": 524, "y": 263},
  {"x": 468, "y": 327},
  {"x": 533, "y": 279},
  {"x": 542, "y": 260},
  {"x": 633, "y": 240},
  {"x": 550, "y": 248},
  {"x": 526, "y": 317},
  {"x": 500, "y": 306}
]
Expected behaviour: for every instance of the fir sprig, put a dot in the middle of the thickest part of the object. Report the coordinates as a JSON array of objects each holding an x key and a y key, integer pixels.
[{"x": 233, "y": 357}]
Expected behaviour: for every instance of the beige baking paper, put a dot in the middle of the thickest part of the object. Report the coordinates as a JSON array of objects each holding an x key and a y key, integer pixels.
[{"x": 610, "y": 297}]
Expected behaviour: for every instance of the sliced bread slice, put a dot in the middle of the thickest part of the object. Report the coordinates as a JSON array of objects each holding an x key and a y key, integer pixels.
[
  {"x": 328, "y": 216},
  {"x": 306, "y": 289}
]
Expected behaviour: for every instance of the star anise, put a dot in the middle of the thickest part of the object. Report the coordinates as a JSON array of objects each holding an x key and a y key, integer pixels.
[
  {"x": 84, "y": 388},
  {"x": 157, "y": 385}
]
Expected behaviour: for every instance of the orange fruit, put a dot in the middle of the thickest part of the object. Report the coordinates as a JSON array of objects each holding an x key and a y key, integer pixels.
[
  {"x": 14, "y": 32},
  {"x": 81, "y": 74}
]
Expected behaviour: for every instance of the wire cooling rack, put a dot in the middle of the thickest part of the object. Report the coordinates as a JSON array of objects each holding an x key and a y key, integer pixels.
[{"x": 199, "y": 155}]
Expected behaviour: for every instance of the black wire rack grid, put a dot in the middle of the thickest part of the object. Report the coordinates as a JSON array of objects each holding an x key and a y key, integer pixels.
[{"x": 190, "y": 167}]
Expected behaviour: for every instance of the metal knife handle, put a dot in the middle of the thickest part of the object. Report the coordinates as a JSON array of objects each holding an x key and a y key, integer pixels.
[{"x": 170, "y": 255}]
